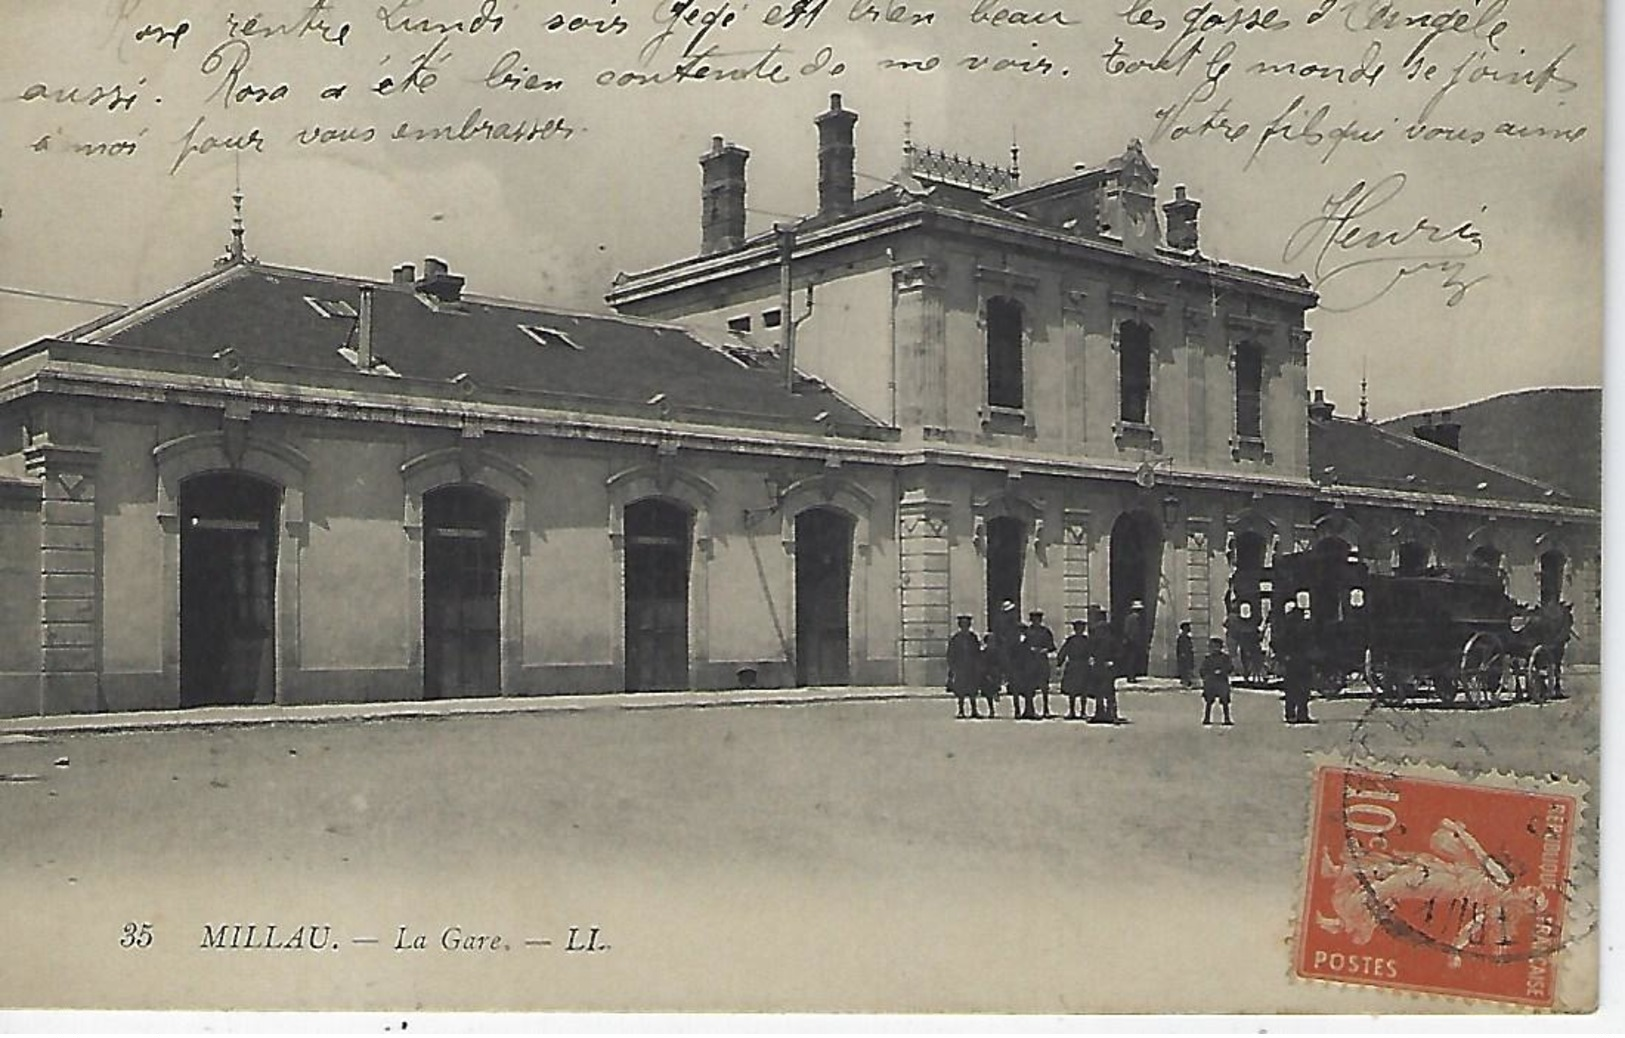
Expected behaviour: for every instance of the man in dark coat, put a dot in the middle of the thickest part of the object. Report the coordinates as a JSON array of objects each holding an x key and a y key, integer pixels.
[
  {"x": 1004, "y": 640},
  {"x": 1040, "y": 643},
  {"x": 1216, "y": 671},
  {"x": 1298, "y": 675},
  {"x": 990, "y": 675},
  {"x": 1076, "y": 670},
  {"x": 965, "y": 667},
  {"x": 1136, "y": 641},
  {"x": 1185, "y": 653},
  {"x": 1105, "y": 657}
]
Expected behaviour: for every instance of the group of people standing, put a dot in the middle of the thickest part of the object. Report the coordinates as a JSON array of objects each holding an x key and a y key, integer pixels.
[{"x": 1020, "y": 658}]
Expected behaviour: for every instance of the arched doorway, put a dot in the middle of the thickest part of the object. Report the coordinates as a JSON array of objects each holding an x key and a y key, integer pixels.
[
  {"x": 823, "y": 586},
  {"x": 1134, "y": 559},
  {"x": 658, "y": 535},
  {"x": 462, "y": 591},
  {"x": 228, "y": 589},
  {"x": 1006, "y": 561},
  {"x": 1553, "y": 567},
  {"x": 1412, "y": 558},
  {"x": 1247, "y": 554}
]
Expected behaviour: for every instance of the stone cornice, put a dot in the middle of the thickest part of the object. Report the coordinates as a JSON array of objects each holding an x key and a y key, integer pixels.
[{"x": 689, "y": 273}]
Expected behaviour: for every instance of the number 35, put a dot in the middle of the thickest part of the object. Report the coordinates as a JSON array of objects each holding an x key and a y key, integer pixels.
[{"x": 136, "y": 935}]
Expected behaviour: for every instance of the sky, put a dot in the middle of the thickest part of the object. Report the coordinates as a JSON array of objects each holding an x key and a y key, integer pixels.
[{"x": 1489, "y": 243}]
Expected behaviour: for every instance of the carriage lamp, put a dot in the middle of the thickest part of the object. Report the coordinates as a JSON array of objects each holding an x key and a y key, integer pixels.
[
  {"x": 1357, "y": 597},
  {"x": 1170, "y": 510},
  {"x": 1245, "y": 610}
]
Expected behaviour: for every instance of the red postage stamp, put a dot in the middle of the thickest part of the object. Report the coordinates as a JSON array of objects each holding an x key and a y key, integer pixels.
[{"x": 1417, "y": 884}]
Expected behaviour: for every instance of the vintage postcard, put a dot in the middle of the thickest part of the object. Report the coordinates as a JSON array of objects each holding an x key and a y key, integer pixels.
[{"x": 944, "y": 506}]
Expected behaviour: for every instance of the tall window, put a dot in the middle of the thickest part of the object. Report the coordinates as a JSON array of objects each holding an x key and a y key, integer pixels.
[
  {"x": 1005, "y": 383},
  {"x": 1134, "y": 372},
  {"x": 1249, "y": 391}
]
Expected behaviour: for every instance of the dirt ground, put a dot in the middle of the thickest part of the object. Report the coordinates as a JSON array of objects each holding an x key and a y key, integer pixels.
[{"x": 855, "y": 856}]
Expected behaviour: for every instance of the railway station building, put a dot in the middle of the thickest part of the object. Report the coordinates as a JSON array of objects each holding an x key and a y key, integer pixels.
[{"x": 789, "y": 459}]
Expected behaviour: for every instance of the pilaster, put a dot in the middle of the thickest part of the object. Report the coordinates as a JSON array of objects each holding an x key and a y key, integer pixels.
[
  {"x": 1199, "y": 576},
  {"x": 927, "y": 613},
  {"x": 921, "y": 356},
  {"x": 70, "y": 576},
  {"x": 1075, "y": 565}
]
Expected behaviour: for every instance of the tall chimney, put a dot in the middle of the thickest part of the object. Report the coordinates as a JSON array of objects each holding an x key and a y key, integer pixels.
[
  {"x": 1182, "y": 227},
  {"x": 1321, "y": 409},
  {"x": 722, "y": 197},
  {"x": 438, "y": 281},
  {"x": 835, "y": 158},
  {"x": 1446, "y": 432},
  {"x": 363, "y": 331}
]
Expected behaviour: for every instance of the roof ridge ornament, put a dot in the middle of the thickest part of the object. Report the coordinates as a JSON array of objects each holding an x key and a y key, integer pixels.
[{"x": 236, "y": 252}]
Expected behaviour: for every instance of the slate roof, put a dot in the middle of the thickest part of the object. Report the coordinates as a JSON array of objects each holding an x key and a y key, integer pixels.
[
  {"x": 1346, "y": 452},
  {"x": 583, "y": 362},
  {"x": 1552, "y": 432}
]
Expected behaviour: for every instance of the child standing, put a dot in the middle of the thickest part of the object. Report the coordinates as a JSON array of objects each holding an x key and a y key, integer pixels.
[{"x": 1216, "y": 671}]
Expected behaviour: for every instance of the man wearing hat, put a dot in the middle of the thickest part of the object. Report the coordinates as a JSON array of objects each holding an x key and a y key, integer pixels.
[
  {"x": 1076, "y": 675},
  {"x": 1039, "y": 642},
  {"x": 965, "y": 667},
  {"x": 1105, "y": 657},
  {"x": 1002, "y": 657},
  {"x": 1136, "y": 644},
  {"x": 1216, "y": 671}
]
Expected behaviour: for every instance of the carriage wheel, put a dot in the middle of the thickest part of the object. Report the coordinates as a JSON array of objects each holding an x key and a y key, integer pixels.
[
  {"x": 1484, "y": 671},
  {"x": 1542, "y": 674}
]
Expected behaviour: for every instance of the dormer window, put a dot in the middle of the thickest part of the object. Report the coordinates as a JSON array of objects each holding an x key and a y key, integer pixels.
[
  {"x": 1134, "y": 373},
  {"x": 331, "y": 308},
  {"x": 1006, "y": 386},
  {"x": 550, "y": 337}
]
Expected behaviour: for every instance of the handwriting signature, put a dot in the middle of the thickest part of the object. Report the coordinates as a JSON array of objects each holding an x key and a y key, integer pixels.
[{"x": 1357, "y": 262}]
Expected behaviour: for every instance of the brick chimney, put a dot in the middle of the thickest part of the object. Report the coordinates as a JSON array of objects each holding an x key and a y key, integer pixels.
[
  {"x": 1181, "y": 220},
  {"x": 439, "y": 282},
  {"x": 722, "y": 197},
  {"x": 363, "y": 331},
  {"x": 836, "y": 153},
  {"x": 1445, "y": 432},
  {"x": 1321, "y": 409}
]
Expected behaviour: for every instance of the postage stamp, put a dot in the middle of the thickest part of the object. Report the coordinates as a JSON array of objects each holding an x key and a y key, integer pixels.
[{"x": 1421, "y": 884}]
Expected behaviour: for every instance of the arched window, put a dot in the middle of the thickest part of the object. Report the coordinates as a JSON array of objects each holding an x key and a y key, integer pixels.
[
  {"x": 1249, "y": 391},
  {"x": 1134, "y": 372},
  {"x": 1005, "y": 377}
]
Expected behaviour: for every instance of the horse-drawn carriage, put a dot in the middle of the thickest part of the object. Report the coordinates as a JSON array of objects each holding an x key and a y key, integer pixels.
[{"x": 1438, "y": 634}]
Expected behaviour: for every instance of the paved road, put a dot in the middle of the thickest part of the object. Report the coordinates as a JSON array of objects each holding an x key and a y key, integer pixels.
[{"x": 838, "y": 855}]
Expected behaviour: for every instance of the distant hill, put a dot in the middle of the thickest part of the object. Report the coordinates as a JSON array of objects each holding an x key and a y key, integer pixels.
[{"x": 1553, "y": 435}]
